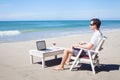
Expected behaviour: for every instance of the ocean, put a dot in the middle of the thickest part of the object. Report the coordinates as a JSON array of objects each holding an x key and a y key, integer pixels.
[{"x": 12, "y": 31}]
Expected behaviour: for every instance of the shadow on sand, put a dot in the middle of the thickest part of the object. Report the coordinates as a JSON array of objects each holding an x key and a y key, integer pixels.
[
  {"x": 103, "y": 67},
  {"x": 51, "y": 62}
]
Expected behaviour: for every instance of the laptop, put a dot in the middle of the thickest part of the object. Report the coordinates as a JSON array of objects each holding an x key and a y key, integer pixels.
[{"x": 41, "y": 45}]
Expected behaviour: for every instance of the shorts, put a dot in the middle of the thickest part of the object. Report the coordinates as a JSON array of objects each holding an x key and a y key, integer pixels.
[{"x": 75, "y": 51}]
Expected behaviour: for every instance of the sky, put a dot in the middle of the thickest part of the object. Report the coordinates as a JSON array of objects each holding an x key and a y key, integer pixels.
[{"x": 59, "y": 9}]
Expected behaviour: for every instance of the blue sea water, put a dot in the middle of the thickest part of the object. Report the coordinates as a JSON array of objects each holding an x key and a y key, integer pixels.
[{"x": 11, "y": 31}]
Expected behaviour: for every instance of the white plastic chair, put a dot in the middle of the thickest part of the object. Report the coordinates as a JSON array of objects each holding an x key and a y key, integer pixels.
[{"x": 92, "y": 57}]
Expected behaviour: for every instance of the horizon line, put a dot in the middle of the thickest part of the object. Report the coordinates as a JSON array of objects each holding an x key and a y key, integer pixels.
[{"x": 58, "y": 20}]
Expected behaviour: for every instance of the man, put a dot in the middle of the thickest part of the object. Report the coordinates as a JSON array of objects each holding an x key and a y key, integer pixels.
[{"x": 95, "y": 26}]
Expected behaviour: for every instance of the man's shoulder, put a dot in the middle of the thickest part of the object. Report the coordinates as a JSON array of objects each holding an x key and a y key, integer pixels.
[{"x": 98, "y": 33}]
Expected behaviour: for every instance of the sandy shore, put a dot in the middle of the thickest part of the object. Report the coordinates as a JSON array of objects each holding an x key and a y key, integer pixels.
[{"x": 14, "y": 60}]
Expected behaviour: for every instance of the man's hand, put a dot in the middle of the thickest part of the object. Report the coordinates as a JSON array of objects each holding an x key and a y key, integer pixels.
[
  {"x": 76, "y": 46},
  {"x": 82, "y": 43}
]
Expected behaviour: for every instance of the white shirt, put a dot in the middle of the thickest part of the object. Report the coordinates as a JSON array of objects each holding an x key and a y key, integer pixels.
[{"x": 95, "y": 39}]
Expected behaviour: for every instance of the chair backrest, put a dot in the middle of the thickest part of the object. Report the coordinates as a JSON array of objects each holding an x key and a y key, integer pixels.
[{"x": 99, "y": 47}]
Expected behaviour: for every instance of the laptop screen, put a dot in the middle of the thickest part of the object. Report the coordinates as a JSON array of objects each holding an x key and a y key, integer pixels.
[{"x": 41, "y": 45}]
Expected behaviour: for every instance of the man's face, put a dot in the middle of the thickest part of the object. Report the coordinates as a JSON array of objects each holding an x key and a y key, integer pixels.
[{"x": 92, "y": 25}]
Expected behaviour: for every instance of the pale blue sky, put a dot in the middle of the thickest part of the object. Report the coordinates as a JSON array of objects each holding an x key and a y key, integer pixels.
[{"x": 59, "y": 9}]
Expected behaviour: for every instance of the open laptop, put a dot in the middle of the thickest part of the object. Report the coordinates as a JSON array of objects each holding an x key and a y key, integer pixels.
[{"x": 41, "y": 45}]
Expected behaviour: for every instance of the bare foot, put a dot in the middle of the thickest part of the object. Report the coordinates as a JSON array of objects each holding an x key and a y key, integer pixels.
[{"x": 58, "y": 68}]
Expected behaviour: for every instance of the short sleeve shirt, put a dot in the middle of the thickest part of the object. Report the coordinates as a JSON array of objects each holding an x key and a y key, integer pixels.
[{"x": 95, "y": 39}]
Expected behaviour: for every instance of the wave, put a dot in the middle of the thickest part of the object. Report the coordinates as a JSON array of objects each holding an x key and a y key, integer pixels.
[{"x": 9, "y": 33}]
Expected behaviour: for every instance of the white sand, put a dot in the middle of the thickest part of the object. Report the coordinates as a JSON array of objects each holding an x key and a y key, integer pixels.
[{"x": 14, "y": 60}]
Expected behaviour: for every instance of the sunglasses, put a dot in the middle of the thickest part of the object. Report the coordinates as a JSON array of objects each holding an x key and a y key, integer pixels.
[{"x": 92, "y": 24}]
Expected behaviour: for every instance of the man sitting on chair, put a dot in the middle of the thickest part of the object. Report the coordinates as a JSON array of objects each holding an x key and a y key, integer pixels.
[{"x": 95, "y": 26}]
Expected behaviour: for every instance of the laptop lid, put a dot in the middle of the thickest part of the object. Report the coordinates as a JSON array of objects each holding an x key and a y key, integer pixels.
[{"x": 41, "y": 45}]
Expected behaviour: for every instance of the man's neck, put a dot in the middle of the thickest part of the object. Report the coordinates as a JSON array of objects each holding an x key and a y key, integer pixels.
[{"x": 96, "y": 30}]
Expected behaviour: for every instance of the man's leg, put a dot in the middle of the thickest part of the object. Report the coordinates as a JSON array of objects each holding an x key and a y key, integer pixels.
[
  {"x": 68, "y": 59},
  {"x": 69, "y": 56},
  {"x": 66, "y": 54}
]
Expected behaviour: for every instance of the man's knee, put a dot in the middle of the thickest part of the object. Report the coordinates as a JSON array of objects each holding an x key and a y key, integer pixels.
[{"x": 68, "y": 50}]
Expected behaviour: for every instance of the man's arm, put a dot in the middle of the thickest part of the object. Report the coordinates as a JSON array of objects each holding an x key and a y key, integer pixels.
[
  {"x": 85, "y": 46},
  {"x": 82, "y": 43}
]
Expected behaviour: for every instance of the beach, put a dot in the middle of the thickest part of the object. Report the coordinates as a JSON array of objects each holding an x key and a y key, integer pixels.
[{"x": 15, "y": 65}]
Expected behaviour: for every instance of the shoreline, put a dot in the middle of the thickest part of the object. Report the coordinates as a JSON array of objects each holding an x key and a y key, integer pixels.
[{"x": 81, "y": 33}]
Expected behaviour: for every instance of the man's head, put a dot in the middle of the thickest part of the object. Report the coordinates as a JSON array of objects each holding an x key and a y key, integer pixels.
[{"x": 95, "y": 23}]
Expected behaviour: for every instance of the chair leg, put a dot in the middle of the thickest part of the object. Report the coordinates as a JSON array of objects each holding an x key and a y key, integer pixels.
[
  {"x": 93, "y": 67},
  {"x": 31, "y": 59},
  {"x": 91, "y": 62},
  {"x": 73, "y": 64}
]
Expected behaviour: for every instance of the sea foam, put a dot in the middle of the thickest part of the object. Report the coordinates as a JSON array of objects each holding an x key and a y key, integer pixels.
[{"x": 9, "y": 33}]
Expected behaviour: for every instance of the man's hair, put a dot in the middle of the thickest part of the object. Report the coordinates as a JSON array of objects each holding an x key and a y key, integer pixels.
[{"x": 96, "y": 22}]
